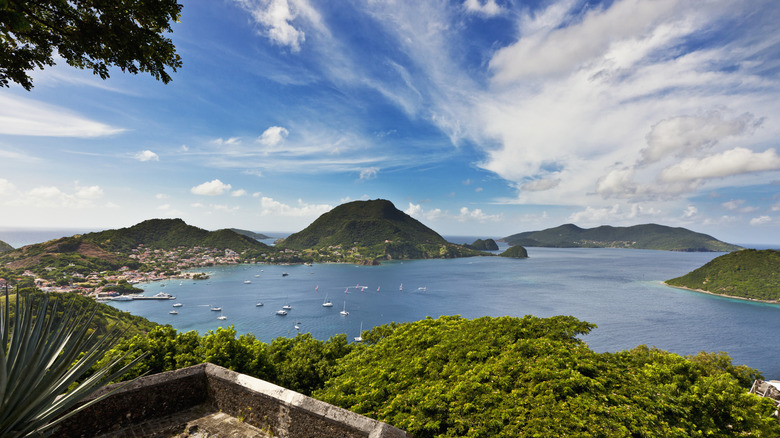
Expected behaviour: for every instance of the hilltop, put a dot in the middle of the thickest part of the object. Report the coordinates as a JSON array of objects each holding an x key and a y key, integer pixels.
[
  {"x": 5, "y": 247},
  {"x": 647, "y": 236},
  {"x": 748, "y": 274},
  {"x": 370, "y": 230},
  {"x": 157, "y": 245},
  {"x": 362, "y": 223},
  {"x": 169, "y": 234}
]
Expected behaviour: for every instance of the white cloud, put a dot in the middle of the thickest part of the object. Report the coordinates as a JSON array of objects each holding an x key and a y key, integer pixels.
[
  {"x": 161, "y": 196},
  {"x": 733, "y": 204},
  {"x": 6, "y": 187},
  {"x": 271, "y": 207},
  {"x": 369, "y": 173},
  {"x": 197, "y": 205},
  {"x": 276, "y": 17},
  {"x": 164, "y": 207},
  {"x": 551, "y": 50},
  {"x": 224, "y": 207},
  {"x": 486, "y": 7},
  {"x": 732, "y": 162},
  {"x": 273, "y": 136},
  {"x": 463, "y": 215},
  {"x": 615, "y": 214},
  {"x": 760, "y": 220},
  {"x": 147, "y": 155},
  {"x": 226, "y": 142},
  {"x": 477, "y": 215},
  {"x": 683, "y": 135},
  {"x": 90, "y": 192},
  {"x": 22, "y": 116},
  {"x": 690, "y": 212},
  {"x": 211, "y": 188},
  {"x": 238, "y": 193}
]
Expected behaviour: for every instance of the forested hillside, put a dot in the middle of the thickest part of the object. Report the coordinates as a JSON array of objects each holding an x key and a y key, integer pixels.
[
  {"x": 648, "y": 236},
  {"x": 748, "y": 274}
]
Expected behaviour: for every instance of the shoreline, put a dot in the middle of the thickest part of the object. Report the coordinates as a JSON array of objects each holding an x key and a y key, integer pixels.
[{"x": 723, "y": 295}]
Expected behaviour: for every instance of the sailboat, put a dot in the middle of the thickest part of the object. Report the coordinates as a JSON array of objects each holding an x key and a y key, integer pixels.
[
  {"x": 286, "y": 306},
  {"x": 259, "y": 304},
  {"x": 344, "y": 312},
  {"x": 216, "y": 309},
  {"x": 359, "y": 337},
  {"x": 221, "y": 317},
  {"x": 327, "y": 302}
]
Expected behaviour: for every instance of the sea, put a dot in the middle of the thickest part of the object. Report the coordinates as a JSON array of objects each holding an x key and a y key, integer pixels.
[{"x": 619, "y": 290}]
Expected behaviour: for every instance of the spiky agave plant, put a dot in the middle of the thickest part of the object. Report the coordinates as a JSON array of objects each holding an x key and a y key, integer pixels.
[{"x": 41, "y": 357}]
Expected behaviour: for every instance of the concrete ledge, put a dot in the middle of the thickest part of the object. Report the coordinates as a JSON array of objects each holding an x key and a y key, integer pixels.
[{"x": 277, "y": 411}]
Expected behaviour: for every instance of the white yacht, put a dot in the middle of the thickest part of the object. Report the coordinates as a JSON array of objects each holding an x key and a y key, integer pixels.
[{"x": 344, "y": 312}]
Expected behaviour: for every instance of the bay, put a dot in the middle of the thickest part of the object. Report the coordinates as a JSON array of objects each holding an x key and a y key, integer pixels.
[{"x": 619, "y": 290}]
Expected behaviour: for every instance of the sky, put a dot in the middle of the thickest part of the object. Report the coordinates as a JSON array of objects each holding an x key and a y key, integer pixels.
[{"x": 476, "y": 117}]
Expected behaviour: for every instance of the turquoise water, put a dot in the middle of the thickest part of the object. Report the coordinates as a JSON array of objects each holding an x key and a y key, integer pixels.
[{"x": 619, "y": 290}]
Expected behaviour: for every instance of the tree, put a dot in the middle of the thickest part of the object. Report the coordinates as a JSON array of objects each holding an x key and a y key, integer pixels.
[{"x": 88, "y": 34}]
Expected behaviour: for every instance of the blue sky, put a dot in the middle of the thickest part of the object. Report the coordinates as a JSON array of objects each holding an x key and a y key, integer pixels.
[{"x": 477, "y": 117}]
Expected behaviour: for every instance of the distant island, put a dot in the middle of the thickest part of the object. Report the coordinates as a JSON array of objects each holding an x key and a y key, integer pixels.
[
  {"x": 749, "y": 274},
  {"x": 647, "y": 236},
  {"x": 252, "y": 234},
  {"x": 515, "y": 252},
  {"x": 483, "y": 245},
  {"x": 371, "y": 231}
]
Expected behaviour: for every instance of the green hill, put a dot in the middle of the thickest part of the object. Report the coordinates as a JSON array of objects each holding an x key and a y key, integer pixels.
[
  {"x": 647, "y": 236},
  {"x": 362, "y": 223},
  {"x": 252, "y": 234},
  {"x": 748, "y": 274},
  {"x": 5, "y": 247},
  {"x": 169, "y": 234}
]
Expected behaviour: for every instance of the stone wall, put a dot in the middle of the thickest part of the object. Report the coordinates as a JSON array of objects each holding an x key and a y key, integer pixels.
[{"x": 271, "y": 408}]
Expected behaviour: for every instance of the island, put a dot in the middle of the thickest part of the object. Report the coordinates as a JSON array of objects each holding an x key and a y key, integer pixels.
[
  {"x": 515, "y": 252},
  {"x": 483, "y": 245},
  {"x": 748, "y": 274},
  {"x": 111, "y": 262},
  {"x": 647, "y": 236}
]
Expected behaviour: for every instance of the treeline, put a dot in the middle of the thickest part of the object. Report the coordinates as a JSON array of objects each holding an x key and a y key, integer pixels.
[
  {"x": 489, "y": 377},
  {"x": 301, "y": 363}
]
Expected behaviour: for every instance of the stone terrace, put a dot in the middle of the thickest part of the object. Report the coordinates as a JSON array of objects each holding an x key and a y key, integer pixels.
[{"x": 210, "y": 401}]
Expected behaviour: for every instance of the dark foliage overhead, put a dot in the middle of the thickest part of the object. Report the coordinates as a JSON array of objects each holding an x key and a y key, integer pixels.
[{"x": 88, "y": 34}]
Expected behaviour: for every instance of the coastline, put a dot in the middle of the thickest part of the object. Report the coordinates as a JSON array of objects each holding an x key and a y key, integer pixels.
[{"x": 723, "y": 295}]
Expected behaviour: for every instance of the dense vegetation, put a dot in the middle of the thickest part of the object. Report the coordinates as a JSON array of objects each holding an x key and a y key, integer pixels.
[
  {"x": 510, "y": 377},
  {"x": 169, "y": 234},
  {"x": 5, "y": 247},
  {"x": 362, "y": 223},
  {"x": 515, "y": 251},
  {"x": 748, "y": 274},
  {"x": 648, "y": 236},
  {"x": 483, "y": 245},
  {"x": 488, "y": 377},
  {"x": 301, "y": 363}
]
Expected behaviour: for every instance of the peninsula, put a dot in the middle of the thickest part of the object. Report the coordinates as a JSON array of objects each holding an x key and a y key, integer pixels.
[
  {"x": 749, "y": 274},
  {"x": 647, "y": 236}
]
